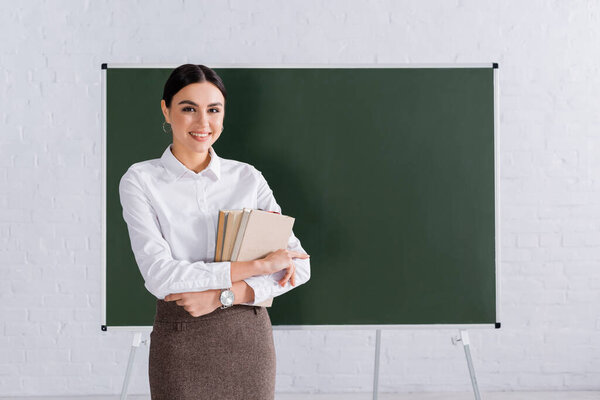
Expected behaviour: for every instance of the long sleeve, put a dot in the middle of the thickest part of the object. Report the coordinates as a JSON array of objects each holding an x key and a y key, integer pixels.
[
  {"x": 267, "y": 286},
  {"x": 162, "y": 274}
]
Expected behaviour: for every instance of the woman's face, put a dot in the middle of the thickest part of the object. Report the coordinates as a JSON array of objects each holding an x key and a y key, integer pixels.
[{"x": 198, "y": 108}]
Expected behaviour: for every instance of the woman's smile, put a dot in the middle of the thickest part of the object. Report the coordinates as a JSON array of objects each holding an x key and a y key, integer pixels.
[{"x": 200, "y": 136}]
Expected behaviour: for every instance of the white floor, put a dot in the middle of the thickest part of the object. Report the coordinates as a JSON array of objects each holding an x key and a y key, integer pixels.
[{"x": 564, "y": 395}]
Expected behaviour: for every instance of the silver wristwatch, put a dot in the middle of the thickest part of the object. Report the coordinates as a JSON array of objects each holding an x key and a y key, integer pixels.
[{"x": 226, "y": 298}]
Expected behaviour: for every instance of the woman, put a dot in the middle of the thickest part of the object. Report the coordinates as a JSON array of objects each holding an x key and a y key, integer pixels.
[{"x": 203, "y": 344}]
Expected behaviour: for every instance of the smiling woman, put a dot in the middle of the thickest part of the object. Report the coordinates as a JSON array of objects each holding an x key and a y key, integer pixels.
[
  {"x": 196, "y": 119},
  {"x": 211, "y": 339}
]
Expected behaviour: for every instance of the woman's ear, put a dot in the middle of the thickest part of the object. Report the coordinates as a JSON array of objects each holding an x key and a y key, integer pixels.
[{"x": 165, "y": 111}]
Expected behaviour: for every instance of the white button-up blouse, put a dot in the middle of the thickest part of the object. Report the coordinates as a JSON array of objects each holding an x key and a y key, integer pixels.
[{"x": 172, "y": 213}]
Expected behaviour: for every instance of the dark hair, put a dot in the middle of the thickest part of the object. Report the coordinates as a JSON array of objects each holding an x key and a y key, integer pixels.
[{"x": 190, "y": 73}]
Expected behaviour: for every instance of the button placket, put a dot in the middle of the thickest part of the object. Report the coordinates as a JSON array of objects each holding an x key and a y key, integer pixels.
[
  {"x": 201, "y": 195},
  {"x": 200, "y": 199},
  {"x": 204, "y": 205},
  {"x": 204, "y": 210}
]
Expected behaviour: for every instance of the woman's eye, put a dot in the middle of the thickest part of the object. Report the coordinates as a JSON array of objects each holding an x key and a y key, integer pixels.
[{"x": 211, "y": 110}]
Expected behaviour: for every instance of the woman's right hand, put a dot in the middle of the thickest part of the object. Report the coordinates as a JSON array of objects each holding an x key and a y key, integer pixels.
[{"x": 280, "y": 259}]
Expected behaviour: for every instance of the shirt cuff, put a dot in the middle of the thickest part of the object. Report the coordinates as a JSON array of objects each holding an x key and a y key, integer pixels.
[
  {"x": 219, "y": 278},
  {"x": 261, "y": 288},
  {"x": 223, "y": 274}
]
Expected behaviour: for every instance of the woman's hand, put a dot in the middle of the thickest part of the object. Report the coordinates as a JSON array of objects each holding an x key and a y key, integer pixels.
[
  {"x": 282, "y": 259},
  {"x": 197, "y": 303}
]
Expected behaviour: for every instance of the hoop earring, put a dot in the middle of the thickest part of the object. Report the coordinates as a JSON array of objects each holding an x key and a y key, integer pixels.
[{"x": 163, "y": 128}]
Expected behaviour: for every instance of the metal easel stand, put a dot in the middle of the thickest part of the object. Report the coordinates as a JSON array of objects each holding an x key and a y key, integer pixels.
[
  {"x": 377, "y": 351},
  {"x": 464, "y": 338},
  {"x": 137, "y": 339}
]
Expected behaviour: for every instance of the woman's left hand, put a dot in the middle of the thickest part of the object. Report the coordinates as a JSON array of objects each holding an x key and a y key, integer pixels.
[
  {"x": 197, "y": 303},
  {"x": 290, "y": 275}
]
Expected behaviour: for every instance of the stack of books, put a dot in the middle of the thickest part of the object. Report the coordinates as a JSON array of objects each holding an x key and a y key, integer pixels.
[{"x": 248, "y": 235}]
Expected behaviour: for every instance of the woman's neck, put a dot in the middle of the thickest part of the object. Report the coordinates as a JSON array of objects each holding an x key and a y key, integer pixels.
[{"x": 194, "y": 161}]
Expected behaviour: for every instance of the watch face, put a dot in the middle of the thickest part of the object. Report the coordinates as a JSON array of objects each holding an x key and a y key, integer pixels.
[{"x": 227, "y": 297}]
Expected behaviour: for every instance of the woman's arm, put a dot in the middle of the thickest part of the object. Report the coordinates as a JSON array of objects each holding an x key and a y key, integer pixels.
[
  {"x": 241, "y": 270},
  {"x": 161, "y": 272},
  {"x": 243, "y": 293},
  {"x": 267, "y": 286},
  {"x": 207, "y": 301}
]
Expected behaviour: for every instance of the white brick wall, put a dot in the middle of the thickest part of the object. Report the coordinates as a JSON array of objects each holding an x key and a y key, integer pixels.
[{"x": 50, "y": 56}]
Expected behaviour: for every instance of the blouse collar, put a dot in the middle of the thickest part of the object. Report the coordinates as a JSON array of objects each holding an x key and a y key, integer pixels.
[{"x": 176, "y": 169}]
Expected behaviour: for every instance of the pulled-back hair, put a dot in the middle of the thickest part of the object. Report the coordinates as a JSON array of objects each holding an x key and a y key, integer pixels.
[{"x": 190, "y": 73}]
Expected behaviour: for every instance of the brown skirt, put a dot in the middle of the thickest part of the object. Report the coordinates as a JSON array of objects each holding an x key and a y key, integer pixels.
[{"x": 227, "y": 354}]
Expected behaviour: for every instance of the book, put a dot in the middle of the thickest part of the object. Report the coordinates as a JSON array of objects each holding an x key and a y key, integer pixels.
[
  {"x": 240, "y": 234},
  {"x": 234, "y": 217},
  {"x": 260, "y": 233},
  {"x": 220, "y": 234},
  {"x": 249, "y": 234}
]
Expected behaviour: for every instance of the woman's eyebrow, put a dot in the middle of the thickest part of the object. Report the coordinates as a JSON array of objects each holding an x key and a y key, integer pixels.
[{"x": 194, "y": 104}]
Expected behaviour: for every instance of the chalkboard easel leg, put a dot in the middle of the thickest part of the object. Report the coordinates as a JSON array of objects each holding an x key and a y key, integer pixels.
[
  {"x": 464, "y": 338},
  {"x": 137, "y": 339},
  {"x": 376, "y": 373}
]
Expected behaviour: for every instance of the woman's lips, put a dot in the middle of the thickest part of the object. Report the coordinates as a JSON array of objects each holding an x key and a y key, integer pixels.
[{"x": 199, "y": 138}]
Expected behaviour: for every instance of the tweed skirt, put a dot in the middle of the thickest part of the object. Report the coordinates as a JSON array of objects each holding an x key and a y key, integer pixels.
[{"x": 228, "y": 354}]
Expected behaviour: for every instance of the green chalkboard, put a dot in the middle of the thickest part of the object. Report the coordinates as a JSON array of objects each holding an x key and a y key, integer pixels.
[{"x": 389, "y": 172}]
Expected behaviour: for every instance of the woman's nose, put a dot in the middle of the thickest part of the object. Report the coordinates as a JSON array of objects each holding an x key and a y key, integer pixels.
[{"x": 202, "y": 119}]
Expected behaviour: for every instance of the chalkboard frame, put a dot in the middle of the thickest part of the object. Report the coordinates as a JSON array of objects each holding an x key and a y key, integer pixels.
[{"x": 496, "y": 95}]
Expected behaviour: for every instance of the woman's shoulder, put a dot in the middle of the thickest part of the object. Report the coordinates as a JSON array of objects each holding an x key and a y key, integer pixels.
[
  {"x": 236, "y": 167},
  {"x": 142, "y": 169}
]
